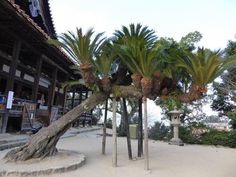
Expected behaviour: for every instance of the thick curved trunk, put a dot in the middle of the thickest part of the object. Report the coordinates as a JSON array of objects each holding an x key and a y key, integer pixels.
[{"x": 44, "y": 142}]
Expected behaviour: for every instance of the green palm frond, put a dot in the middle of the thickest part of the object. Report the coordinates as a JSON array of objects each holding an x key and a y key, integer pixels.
[
  {"x": 73, "y": 83},
  {"x": 135, "y": 46},
  {"x": 82, "y": 47},
  {"x": 105, "y": 59},
  {"x": 204, "y": 65}
]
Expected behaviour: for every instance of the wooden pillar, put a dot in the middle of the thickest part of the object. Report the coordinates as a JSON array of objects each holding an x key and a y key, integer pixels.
[
  {"x": 64, "y": 100},
  {"x": 52, "y": 89},
  {"x": 80, "y": 95},
  {"x": 146, "y": 153},
  {"x": 104, "y": 130},
  {"x": 73, "y": 100},
  {"x": 36, "y": 79},
  {"x": 65, "y": 96},
  {"x": 11, "y": 78},
  {"x": 114, "y": 136},
  {"x": 126, "y": 117},
  {"x": 140, "y": 129},
  {"x": 15, "y": 57}
]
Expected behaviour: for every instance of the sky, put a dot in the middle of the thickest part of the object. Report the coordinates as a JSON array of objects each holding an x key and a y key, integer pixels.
[{"x": 214, "y": 19}]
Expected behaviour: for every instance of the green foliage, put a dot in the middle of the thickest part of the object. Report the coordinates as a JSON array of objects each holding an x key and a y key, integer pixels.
[
  {"x": 223, "y": 138},
  {"x": 171, "y": 103},
  {"x": 109, "y": 123},
  {"x": 135, "y": 47},
  {"x": 81, "y": 47},
  {"x": 205, "y": 65},
  {"x": 185, "y": 134},
  {"x": 231, "y": 48},
  {"x": 188, "y": 41},
  {"x": 159, "y": 132},
  {"x": 210, "y": 137},
  {"x": 224, "y": 92},
  {"x": 232, "y": 117},
  {"x": 104, "y": 60}
]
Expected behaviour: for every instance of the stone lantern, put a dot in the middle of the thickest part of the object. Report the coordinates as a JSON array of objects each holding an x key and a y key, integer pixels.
[{"x": 175, "y": 122}]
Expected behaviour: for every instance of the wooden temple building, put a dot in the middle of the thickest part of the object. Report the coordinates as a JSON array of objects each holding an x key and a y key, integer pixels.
[{"x": 32, "y": 69}]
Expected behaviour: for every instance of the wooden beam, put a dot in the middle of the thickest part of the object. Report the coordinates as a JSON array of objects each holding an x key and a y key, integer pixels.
[
  {"x": 36, "y": 78},
  {"x": 48, "y": 60},
  {"x": 5, "y": 56}
]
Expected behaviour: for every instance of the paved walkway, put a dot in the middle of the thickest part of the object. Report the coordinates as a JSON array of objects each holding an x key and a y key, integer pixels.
[
  {"x": 165, "y": 160},
  {"x": 8, "y": 140}
]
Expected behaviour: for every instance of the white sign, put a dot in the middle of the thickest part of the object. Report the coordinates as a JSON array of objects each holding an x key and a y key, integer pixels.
[{"x": 9, "y": 99}]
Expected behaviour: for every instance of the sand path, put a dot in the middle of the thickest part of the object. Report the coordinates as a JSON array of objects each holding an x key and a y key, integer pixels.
[{"x": 165, "y": 160}]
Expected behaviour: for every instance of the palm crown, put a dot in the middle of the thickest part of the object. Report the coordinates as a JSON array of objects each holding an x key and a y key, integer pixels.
[
  {"x": 204, "y": 65},
  {"x": 81, "y": 47}
]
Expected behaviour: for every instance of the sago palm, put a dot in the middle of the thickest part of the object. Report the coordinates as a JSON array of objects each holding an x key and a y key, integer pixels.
[
  {"x": 135, "y": 44},
  {"x": 136, "y": 49},
  {"x": 203, "y": 67},
  {"x": 82, "y": 48},
  {"x": 103, "y": 64}
]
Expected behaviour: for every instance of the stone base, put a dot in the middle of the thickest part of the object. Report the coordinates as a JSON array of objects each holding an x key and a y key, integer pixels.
[
  {"x": 175, "y": 141},
  {"x": 63, "y": 161}
]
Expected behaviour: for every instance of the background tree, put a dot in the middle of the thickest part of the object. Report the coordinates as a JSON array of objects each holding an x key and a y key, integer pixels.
[{"x": 224, "y": 90}]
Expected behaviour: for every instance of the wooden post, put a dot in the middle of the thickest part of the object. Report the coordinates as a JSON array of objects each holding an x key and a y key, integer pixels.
[
  {"x": 114, "y": 137},
  {"x": 64, "y": 100},
  {"x": 65, "y": 96},
  {"x": 104, "y": 130},
  {"x": 52, "y": 89},
  {"x": 146, "y": 154},
  {"x": 140, "y": 129},
  {"x": 73, "y": 100},
  {"x": 10, "y": 81},
  {"x": 127, "y": 129},
  {"x": 37, "y": 78},
  {"x": 80, "y": 95}
]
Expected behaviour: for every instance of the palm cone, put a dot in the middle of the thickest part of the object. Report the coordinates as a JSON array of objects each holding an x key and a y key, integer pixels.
[
  {"x": 157, "y": 74},
  {"x": 195, "y": 93},
  {"x": 136, "y": 78},
  {"x": 87, "y": 73},
  {"x": 156, "y": 85},
  {"x": 147, "y": 85},
  {"x": 106, "y": 84}
]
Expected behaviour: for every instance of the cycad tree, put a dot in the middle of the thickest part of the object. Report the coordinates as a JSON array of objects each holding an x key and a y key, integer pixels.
[
  {"x": 136, "y": 49},
  {"x": 82, "y": 48},
  {"x": 203, "y": 67}
]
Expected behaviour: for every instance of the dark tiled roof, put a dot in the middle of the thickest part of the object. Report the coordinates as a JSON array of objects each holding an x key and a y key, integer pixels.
[{"x": 24, "y": 15}]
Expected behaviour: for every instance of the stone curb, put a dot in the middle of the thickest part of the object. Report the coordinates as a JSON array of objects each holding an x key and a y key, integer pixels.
[{"x": 48, "y": 171}]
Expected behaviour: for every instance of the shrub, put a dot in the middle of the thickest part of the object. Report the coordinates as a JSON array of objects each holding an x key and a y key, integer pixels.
[
  {"x": 159, "y": 132},
  {"x": 223, "y": 138},
  {"x": 109, "y": 123},
  {"x": 186, "y": 135}
]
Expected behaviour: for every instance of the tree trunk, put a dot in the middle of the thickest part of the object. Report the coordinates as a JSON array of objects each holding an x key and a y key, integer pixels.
[
  {"x": 146, "y": 154},
  {"x": 140, "y": 129},
  {"x": 127, "y": 129},
  {"x": 104, "y": 130},
  {"x": 44, "y": 142},
  {"x": 114, "y": 137}
]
